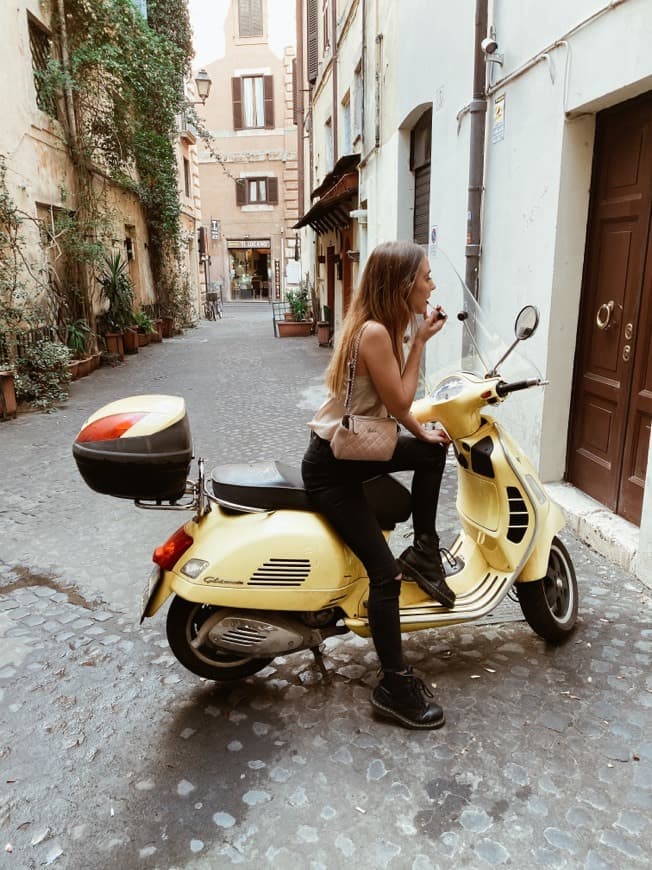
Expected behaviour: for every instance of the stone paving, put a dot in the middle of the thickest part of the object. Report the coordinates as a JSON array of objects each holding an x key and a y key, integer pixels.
[{"x": 112, "y": 755}]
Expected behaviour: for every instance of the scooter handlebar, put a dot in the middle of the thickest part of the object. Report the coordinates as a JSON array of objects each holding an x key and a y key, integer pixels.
[{"x": 503, "y": 388}]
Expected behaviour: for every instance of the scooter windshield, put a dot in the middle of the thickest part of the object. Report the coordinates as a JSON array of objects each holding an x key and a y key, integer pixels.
[{"x": 468, "y": 341}]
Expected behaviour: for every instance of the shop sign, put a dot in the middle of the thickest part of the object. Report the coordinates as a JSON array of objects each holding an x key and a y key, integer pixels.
[{"x": 248, "y": 243}]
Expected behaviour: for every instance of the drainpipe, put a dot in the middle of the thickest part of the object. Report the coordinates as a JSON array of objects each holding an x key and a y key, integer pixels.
[
  {"x": 478, "y": 111},
  {"x": 298, "y": 84}
]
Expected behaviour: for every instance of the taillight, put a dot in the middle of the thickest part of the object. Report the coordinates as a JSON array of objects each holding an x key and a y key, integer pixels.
[
  {"x": 109, "y": 427},
  {"x": 169, "y": 553}
]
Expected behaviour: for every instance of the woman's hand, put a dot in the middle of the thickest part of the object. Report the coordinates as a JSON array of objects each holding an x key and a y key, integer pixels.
[
  {"x": 436, "y": 436},
  {"x": 430, "y": 325}
]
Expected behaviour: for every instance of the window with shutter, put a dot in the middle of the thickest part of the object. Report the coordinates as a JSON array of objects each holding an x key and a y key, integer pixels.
[
  {"x": 236, "y": 92},
  {"x": 256, "y": 191},
  {"x": 312, "y": 40},
  {"x": 250, "y": 18},
  {"x": 326, "y": 14},
  {"x": 269, "y": 101}
]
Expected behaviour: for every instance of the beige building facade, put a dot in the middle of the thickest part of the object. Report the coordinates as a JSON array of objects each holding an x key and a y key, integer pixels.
[{"x": 248, "y": 175}]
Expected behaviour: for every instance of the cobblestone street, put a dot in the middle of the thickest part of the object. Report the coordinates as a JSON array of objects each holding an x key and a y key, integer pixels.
[{"x": 114, "y": 756}]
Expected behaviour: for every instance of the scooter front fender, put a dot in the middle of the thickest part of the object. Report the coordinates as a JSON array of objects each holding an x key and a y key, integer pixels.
[{"x": 551, "y": 521}]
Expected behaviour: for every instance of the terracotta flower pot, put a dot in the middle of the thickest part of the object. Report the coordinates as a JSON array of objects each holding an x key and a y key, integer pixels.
[
  {"x": 8, "y": 402},
  {"x": 131, "y": 340},
  {"x": 323, "y": 333},
  {"x": 84, "y": 367},
  {"x": 293, "y": 328},
  {"x": 168, "y": 327},
  {"x": 115, "y": 344},
  {"x": 73, "y": 368}
]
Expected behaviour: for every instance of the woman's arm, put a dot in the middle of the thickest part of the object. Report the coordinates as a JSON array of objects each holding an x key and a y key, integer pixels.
[{"x": 376, "y": 359}]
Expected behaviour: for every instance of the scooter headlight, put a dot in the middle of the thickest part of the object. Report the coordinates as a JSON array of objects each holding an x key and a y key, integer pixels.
[{"x": 193, "y": 568}]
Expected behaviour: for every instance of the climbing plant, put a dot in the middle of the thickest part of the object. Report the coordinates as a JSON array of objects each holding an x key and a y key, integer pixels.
[{"x": 121, "y": 77}]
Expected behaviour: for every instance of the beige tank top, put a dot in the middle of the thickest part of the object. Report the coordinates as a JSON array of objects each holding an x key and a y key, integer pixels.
[{"x": 365, "y": 401}]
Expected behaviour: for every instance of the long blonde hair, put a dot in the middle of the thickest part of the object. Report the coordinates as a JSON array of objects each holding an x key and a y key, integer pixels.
[{"x": 387, "y": 280}]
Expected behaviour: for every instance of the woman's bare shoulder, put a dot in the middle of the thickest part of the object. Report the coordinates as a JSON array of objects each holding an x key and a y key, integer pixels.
[
  {"x": 375, "y": 344},
  {"x": 374, "y": 331}
]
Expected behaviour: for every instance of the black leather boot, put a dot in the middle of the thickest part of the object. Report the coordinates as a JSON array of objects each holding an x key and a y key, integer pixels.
[
  {"x": 404, "y": 697},
  {"x": 422, "y": 563}
]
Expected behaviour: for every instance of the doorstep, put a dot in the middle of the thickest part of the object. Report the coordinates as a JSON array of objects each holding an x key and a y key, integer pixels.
[{"x": 604, "y": 531}]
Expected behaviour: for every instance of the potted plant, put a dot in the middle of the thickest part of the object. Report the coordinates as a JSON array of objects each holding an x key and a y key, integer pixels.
[
  {"x": 300, "y": 323},
  {"x": 145, "y": 326},
  {"x": 117, "y": 290},
  {"x": 78, "y": 335}
]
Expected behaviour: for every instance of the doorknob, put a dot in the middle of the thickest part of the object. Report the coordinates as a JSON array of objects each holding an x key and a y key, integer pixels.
[{"x": 603, "y": 317}]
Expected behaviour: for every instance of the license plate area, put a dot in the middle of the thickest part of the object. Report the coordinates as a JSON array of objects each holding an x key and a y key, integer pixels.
[{"x": 151, "y": 587}]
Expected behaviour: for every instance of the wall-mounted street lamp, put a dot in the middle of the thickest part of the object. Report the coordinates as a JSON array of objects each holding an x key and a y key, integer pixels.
[{"x": 203, "y": 84}]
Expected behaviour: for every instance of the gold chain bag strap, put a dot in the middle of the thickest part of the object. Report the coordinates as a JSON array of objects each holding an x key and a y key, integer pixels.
[{"x": 363, "y": 438}]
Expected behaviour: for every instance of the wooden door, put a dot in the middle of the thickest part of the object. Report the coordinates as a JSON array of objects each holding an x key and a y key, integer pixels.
[
  {"x": 347, "y": 280},
  {"x": 612, "y": 397},
  {"x": 330, "y": 279}
]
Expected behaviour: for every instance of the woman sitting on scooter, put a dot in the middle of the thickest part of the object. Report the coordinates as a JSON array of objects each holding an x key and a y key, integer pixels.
[{"x": 394, "y": 289}]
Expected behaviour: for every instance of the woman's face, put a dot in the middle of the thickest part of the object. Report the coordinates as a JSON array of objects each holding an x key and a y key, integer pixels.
[{"x": 421, "y": 289}]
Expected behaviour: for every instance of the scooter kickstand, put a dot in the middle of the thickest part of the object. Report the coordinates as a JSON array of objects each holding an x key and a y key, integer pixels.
[{"x": 319, "y": 660}]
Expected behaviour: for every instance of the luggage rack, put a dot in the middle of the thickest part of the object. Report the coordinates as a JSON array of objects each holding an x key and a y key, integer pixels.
[{"x": 195, "y": 497}]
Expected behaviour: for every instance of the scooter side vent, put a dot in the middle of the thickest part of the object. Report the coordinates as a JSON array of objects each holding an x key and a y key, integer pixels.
[
  {"x": 284, "y": 573},
  {"x": 518, "y": 515}
]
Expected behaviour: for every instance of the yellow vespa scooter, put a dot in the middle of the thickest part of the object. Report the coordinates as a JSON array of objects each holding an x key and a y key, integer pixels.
[{"x": 256, "y": 573}]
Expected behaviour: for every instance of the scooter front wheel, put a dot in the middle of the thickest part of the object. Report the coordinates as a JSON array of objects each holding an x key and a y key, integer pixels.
[
  {"x": 550, "y": 605},
  {"x": 184, "y": 622}
]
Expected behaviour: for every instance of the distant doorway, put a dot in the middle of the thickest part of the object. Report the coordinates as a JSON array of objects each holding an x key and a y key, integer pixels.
[{"x": 250, "y": 269}]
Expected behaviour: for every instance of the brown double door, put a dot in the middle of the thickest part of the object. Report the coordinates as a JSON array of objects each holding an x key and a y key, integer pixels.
[{"x": 612, "y": 397}]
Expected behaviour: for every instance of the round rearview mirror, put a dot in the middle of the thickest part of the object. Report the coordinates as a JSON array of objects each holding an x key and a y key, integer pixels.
[{"x": 526, "y": 322}]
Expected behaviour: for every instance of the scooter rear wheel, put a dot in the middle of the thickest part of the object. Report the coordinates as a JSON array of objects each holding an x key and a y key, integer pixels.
[
  {"x": 184, "y": 623},
  {"x": 550, "y": 605}
]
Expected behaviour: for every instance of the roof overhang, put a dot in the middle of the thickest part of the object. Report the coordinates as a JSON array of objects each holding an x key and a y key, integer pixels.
[{"x": 331, "y": 211}]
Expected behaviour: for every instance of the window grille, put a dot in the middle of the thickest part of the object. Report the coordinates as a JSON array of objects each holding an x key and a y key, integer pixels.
[{"x": 41, "y": 48}]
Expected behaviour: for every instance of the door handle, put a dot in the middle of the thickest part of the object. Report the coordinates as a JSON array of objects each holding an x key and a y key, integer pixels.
[{"x": 603, "y": 317}]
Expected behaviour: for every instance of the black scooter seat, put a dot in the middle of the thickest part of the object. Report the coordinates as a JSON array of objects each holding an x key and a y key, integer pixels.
[{"x": 271, "y": 486}]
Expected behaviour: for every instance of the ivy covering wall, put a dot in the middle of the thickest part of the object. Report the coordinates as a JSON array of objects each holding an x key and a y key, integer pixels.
[{"x": 121, "y": 76}]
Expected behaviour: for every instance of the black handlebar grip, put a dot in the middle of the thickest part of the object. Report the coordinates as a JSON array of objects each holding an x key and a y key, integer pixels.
[{"x": 504, "y": 388}]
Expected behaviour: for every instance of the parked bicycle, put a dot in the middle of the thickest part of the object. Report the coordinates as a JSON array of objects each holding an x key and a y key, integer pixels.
[{"x": 213, "y": 309}]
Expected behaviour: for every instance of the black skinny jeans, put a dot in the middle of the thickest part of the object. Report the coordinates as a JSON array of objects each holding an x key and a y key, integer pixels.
[{"x": 335, "y": 490}]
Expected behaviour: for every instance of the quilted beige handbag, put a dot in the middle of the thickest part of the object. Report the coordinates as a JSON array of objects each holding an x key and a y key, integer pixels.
[{"x": 363, "y": 438}]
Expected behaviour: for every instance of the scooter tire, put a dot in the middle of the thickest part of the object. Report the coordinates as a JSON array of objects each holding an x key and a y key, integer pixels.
[
  {"x": 183, "y": 623},
  {"x": 549, "y": 605}
]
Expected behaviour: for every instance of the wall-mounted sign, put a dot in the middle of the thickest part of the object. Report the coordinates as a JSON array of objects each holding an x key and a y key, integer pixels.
[
  {"x": 248, "y": 243},
  {"x": 215, "y": 229},
  {"x": 277, "y": 279},
  {"x": 498, "y": 127}
]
